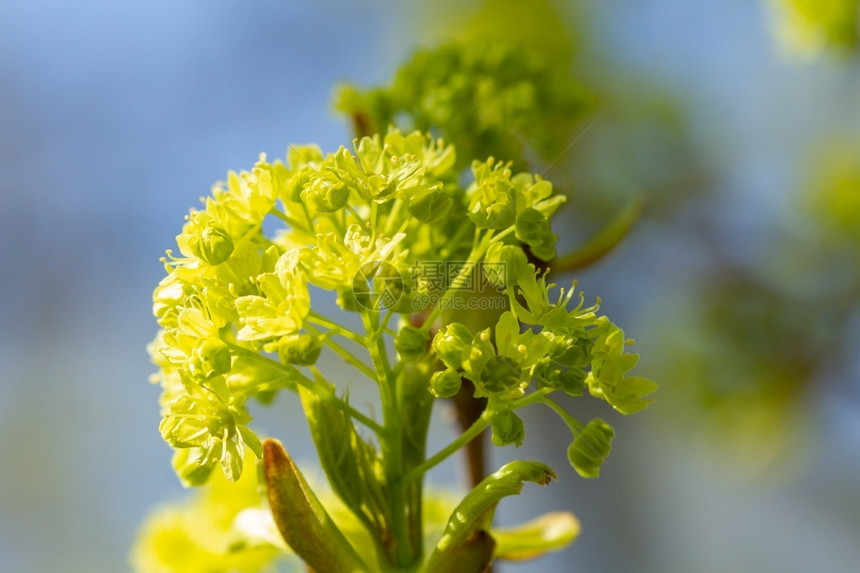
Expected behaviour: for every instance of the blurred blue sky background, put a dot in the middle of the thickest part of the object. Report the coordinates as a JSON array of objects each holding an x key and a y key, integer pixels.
[{"x": 116, "y": 117}]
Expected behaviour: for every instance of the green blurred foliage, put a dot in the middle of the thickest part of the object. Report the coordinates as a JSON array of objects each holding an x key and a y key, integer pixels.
[
  {"x": 832, "y": 195},
  {"x": 738, "y": 365},
  {"x": 807, "y": 28},
  {"x": 761, "y": 339}
]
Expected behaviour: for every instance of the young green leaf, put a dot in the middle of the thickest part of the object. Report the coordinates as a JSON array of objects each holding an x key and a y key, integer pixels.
[
  {"x": 466, "y": 546},
  {"x": 301, "y": 518},
  {"x": 345, "y": 457},
  {"x": 445, "y": 383},
  {"x": 549, "y": 532},
  {"x": 507, "y": 429},
  {"x": 411, "y": 343}
]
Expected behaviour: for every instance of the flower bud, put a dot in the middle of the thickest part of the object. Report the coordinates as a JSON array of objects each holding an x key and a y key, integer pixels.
[
  {"x": 502, "y": 264},
  {"x": 569, "y": 351},
  {"x": 531, "y": 226},
  {"x": 327, "y": 197},
  {"x": 547, "y": 375},
  {"x": 492, "y": 202},
  {"x": 301, "y": 349},
  {"x": 213, "y": 245},
  {"x": 210, "y": 357},
  {"x": 430, "y": 206},
  {"x": 450, "y": 343},
  {"x": 588, "y": 450},
  {"x": 507, "y": 429},
  {"x": 293, "y": 187},
  {"x": 445, "y": 383},
  {"x": 495, "y": 213},
  {"x": 554, "y": 377},
  {"x": 545, "y": 248},
  {"x": 411, "y": 343},
  {"x": 347, "y": 300}
]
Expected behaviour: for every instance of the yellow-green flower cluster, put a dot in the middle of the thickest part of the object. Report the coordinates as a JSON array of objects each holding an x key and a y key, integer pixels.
[
  {"x": 234, "y": 292},
  {"x": 235, "y": 309},
  {"x": 542, "y": 343},
  {"x": 225, "y": 263}
]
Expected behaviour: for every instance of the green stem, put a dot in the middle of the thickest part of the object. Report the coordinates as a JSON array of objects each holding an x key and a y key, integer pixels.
[
  {"x": 533, "y": 398},
  {"x": 320, "y": 320},
  {"x": 392, "y": 451},
  {"x": 343, "y": 352},
  {"x": 479, "y": 248},
  {"x": 374, "y": 212},
  {"x": 311, "y": 226},
  {"x": 287, "y": 219},
  {"x": 294, "y": 375},
  {"x": 355, "y": 214},
  {"x": 252, "y": 232},
  {"x": 503, "y": 234},
  {"x": 454, "y": 242},
  {"x": 473, "y": 432},
  {"x": 571, "y": 422},
  {"x": 338, "y": 220},
  {"x": 391, "y": 220},
  {"x": 476, "y": 239}
]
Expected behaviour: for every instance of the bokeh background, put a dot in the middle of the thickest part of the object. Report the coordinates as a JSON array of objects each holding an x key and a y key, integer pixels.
[{"x": 740, "y": 281}]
